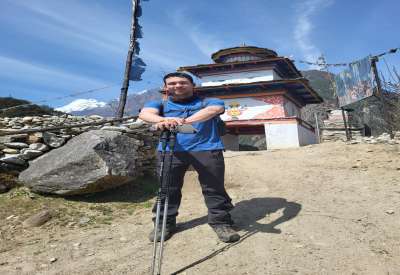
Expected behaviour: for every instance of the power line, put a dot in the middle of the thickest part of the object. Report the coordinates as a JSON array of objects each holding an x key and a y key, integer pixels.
[{"x": 321, "y": 64}]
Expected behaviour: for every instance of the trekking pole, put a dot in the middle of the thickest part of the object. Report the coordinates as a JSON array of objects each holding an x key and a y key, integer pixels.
[
  {"x": 172, "y": 139},
  {"x": 164, "y": 139}
]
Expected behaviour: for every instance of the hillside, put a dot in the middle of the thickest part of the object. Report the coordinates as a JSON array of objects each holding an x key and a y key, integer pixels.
[
  {"x": 27, "y": 109},
  {"x": 323, "y": 209},
  {"x": 320, "y": 81}
]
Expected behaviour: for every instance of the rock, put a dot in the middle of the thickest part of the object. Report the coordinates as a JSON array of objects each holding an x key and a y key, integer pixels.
[
  {"x": 10, "y": 151},
  {"x": 52, "y": 260},
  {"x": 123, "y": 240},
  {"x": 3, "y": 188},
  {"x": 134, "y": 125},
  {"x": 71, "y": 224},
  {"x": 10, "y": 217},
  {"x": 15, "y": 160},
  {"x": 84, "y": 220},
  {"x": 14, "y": 138},
  {"x": 35, "y": 138},
  {"x": 27, "y": 119},
  {"x": 36, "y": 120},
  {"x": 16, "y": 145},
  {"x": 91, "y": 162},
  {"x": 53, "y": 140},
  {"x": 28, "y": 154},
  {"x": 11, "y": 168},
  {"x": 39, "y": 146},
  {"x": 115, "y": 128},
  {"x": 96, "y": 117},
  {"x": 38, "y": 219},
  {"x": 390, "y": 212}
]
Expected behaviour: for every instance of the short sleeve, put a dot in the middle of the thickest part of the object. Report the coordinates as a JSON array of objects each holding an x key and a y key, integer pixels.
[
  {"x": 214, "y": 102},
  {"x": 153, "y": 104}
]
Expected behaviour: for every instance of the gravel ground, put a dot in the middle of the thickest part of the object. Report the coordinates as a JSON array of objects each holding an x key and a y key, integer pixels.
[{"x": 323, "y": 209}]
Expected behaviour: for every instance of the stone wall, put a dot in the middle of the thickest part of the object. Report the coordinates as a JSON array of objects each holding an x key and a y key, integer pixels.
[
  {"x": 333, "y": 128},
  {"x": 17, "y": 150}
]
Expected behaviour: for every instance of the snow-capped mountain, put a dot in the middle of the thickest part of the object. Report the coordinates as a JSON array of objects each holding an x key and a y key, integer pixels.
[
  {"x": 135, "y": 101},
  {"x": 79, "y": 105}
]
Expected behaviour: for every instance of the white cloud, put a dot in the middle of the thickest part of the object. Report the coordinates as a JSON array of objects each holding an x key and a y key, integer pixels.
[
  {"x": 44, "y": 76},
  {"x": 206, "y": 42},
  {"x": 74, "y": 25},
  {"x": 90, "y": 28},
  {"x": 304, "y": 26}
]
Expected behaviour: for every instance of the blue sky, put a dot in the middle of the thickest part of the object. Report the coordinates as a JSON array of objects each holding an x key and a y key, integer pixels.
[{"x": 51, "y": 48}]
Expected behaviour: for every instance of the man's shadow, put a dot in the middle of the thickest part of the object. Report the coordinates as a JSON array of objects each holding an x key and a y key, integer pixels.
[{"x": 247, "y": 215}]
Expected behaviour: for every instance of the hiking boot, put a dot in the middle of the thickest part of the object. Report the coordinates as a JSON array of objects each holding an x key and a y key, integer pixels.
[
  {"x": 226, "y": 233},
  {"x": 170, "y": 228}
]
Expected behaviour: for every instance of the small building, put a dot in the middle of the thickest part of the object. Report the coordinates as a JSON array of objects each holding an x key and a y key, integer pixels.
[{"x": 263, "y": 94}]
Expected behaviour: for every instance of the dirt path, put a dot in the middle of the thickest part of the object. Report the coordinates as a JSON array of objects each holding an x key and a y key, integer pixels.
[{"x": 323, "y": 209}]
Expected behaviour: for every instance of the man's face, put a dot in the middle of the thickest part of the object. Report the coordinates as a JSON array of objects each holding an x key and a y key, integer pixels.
[{"x": 179, "y": 87}]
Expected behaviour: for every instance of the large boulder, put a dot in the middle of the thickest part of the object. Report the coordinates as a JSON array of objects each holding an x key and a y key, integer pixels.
[{"x": 91, "y": 162}]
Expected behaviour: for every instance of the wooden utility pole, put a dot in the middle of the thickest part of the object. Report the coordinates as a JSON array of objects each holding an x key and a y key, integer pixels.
[
  {"x": 317, "y": 127},
  {"x": 380, "y": 95},
  {"x": 128, "y": 64},
  {"x": 345, "y": 124}
]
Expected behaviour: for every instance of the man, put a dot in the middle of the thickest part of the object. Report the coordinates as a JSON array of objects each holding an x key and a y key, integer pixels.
[{"x": 202, "y": 150}]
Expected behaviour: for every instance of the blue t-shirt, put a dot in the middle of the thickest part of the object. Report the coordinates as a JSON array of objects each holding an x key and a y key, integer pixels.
[{"x": 206, "y": 138}]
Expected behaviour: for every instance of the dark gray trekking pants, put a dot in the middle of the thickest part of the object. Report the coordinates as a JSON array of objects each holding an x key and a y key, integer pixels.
[{"x": 210, "y": 167}]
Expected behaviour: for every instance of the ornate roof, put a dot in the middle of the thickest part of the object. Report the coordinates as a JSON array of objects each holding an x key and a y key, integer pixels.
[
  {"x": 283, "y": 65},
  {"x": 243, "y": 53}
]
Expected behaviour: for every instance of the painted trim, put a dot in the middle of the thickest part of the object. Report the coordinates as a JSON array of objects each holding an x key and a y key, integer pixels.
[
  {"x": 283, "y": 120},
  {"x": 263, "y": 84},
  {"x": 227, "y": 72},
  {"x": 261, "y": 94}
]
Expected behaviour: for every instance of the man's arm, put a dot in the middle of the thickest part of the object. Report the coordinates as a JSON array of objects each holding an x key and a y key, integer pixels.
[
  {"x": 205, "y": 114},
  {"x": 151, "y": 115}
]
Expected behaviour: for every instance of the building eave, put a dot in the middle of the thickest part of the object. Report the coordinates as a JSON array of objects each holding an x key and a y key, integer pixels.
[
  {"x": 297, "y": 88},
  {"x": 203, "y": 69}
]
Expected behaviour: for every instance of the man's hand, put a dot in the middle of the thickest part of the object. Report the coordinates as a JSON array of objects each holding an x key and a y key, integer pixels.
[{"x": 169, "y": 123}]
